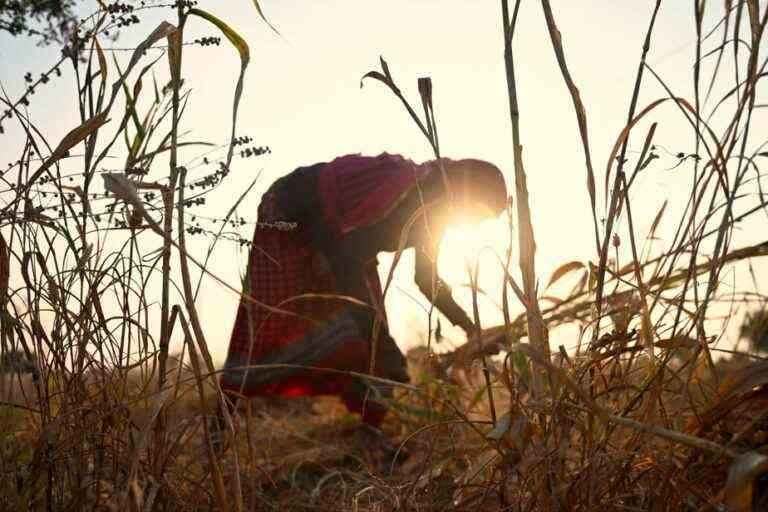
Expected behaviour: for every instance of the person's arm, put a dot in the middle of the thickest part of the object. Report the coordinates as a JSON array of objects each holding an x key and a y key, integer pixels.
[{"x": 424, "y": 273}]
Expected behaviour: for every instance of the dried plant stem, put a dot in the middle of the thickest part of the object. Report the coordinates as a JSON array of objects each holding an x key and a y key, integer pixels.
[
  {"x": 202, "y": 344},
  {"x": 221, "y": 493},
  {"x": 672, "y": 435},
  {"x": 537, "y": 330},
  {"x": 646, "y": 336},
  {"x": 620, "y": 165},
  {"x": 168, "y": 196},
  {"x": 581, "y": 114}
]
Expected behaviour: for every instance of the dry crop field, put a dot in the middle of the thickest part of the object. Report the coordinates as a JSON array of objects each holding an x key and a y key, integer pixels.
[{"x": 649, "y": 411}]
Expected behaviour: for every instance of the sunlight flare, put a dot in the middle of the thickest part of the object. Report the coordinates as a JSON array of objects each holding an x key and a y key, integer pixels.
[{"x": 466, "y": 242}]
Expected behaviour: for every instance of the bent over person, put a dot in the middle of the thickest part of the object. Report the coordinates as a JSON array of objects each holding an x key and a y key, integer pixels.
[{"x": 320, "y": 279}]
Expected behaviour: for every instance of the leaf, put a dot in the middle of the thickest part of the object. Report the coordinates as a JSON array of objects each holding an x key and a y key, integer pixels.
[
  {"x": 385, "y": 67},
  {"x": 521, "y": 432},
  {"x": 72, "y": 139},
  {"x": 261, "y": 13},
  {"x": 564, "y": 270},
  {"x": 385, "y": 78},
  {"x": 234, "y": 38},
  {"x": 141, "y": 127},
  {"x": 579, "y": 287},
  {"x": 174, "y": 55},
  {"x": 245, "y": 56},
  {"x": 102, "y": 59},
  {"x": 139, "y": 138},
  {"x": 677, "y": 342},
  {"x": 581, "y": 113},
  {"x": 522, "y": 368},
  {"x": 477, "y": 397},
  {"x": 374, "y": 74},
  {"x": 121, "y": 186},
  {"x": 657, "y": 219},
  {"x": 130, "y": 100},
  {"x": 625, "y": 133},
  {"x": 593, "y": 271},
  {"x": 162, "y": 30},
  {"x": 754, "y": 19}
]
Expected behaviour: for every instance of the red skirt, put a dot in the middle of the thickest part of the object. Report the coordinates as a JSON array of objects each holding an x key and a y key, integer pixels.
[{"x": 287, "y": 273}]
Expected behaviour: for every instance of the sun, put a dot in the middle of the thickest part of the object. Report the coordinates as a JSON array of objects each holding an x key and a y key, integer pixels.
[{"x": 465, "y": 242}]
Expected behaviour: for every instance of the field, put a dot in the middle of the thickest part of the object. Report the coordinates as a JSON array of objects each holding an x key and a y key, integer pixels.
[{"x": 109, "y": 398}]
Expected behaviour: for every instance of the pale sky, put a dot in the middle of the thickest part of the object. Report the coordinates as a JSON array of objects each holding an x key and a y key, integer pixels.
[{"x": 303, "y": 99}]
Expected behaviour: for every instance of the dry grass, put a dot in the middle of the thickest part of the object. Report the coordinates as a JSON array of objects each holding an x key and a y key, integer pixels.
[{"x": 643, "y": 415}]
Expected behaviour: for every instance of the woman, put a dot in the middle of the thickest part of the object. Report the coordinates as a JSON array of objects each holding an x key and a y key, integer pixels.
[{"x": 321, "y": 278}]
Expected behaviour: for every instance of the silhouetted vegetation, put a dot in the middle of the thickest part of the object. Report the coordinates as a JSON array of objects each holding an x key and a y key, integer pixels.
[
  {"x": 645, "y": 411},
  {"x": 47, "y": 21}
]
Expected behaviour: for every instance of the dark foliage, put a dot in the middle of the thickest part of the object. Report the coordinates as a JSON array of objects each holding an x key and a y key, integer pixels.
[{"x": 46, "y": 20}]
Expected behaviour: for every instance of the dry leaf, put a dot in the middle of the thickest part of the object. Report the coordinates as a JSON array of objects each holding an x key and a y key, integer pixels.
[{"x": 564, "y": 270}]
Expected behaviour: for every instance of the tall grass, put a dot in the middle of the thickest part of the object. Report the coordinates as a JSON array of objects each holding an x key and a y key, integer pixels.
[{"x": 97, "y": 413}]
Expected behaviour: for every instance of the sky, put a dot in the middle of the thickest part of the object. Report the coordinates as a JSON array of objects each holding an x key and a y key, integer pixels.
[{"x": 303, "y": 99}]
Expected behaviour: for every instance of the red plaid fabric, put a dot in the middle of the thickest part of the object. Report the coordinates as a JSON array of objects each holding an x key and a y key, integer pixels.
[
  {"x": 317, "y": 332},
  {"x": 359, "y": 191},
  {"x": 282, "y": 266},
  {"x": 355, "y": 191}
]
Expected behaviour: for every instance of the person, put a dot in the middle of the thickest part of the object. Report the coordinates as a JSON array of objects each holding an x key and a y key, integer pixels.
[{"x": 313, "y": 308}]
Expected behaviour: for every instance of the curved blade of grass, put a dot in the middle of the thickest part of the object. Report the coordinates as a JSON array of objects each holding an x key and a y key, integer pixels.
[
  {"x": 564, "y": 270},
  {"x": 656, "y": 220},
  {"x": 130, "y": 100},
  {"x": 70, "y": 140},
  {"x": 102, "y": 59},
  {"x": 245, "y": 56},
  {"x": 261, "y": 13},
  {"x": 578, "y": 105},
  {"x": 162, "y": 30}
]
